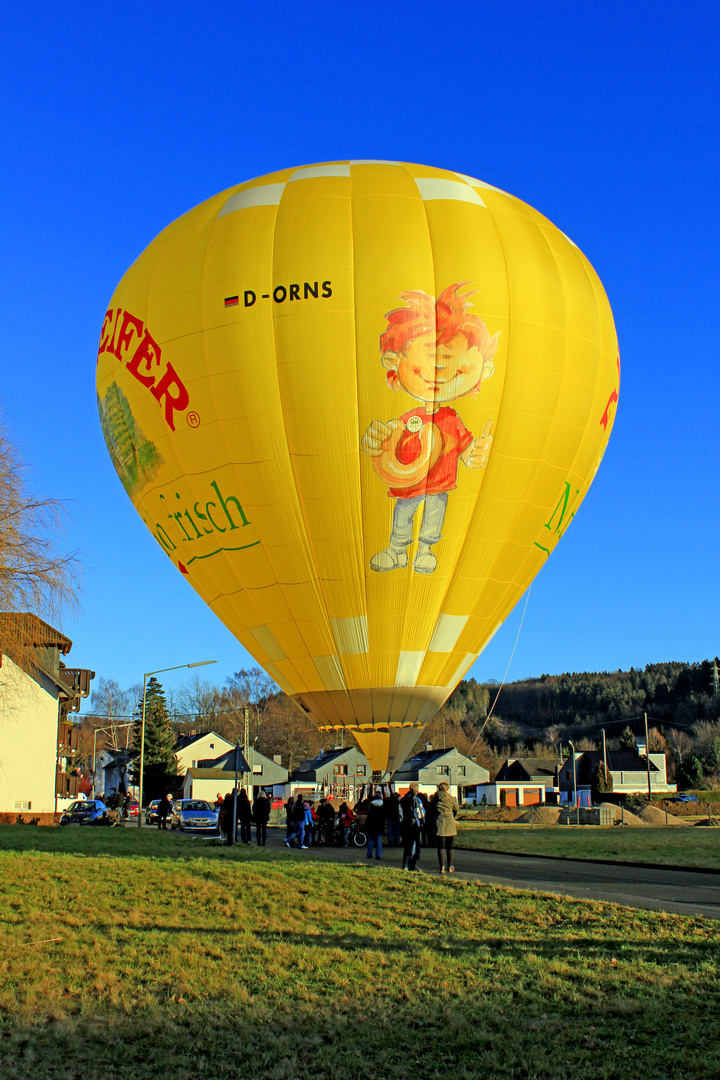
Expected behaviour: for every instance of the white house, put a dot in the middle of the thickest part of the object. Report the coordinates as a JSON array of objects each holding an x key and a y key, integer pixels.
[
  {"x": 35, "y": 698},
  {"x": 431, "y": 767},
  {"x": 217, "y": 777},
  {"x": 190, "y": 750}
]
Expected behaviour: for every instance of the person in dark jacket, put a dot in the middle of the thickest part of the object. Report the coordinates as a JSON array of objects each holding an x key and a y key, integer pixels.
[
  {"x": 427, "y": 836},
  {"x": 375, "y": 824},
  {"x": 297, "y": 831},
  {"x": 244, "y": 813},
  {"x": 261, "y": 814},
  {"x": 413, "y": 813},
  {"x": 326, "y": 815},
  {"x": 226, "y": 817},
  {"x": 163, "y": 811},
  {"x": 394, "y": 817},
  {"x": 289, "y": 805}
]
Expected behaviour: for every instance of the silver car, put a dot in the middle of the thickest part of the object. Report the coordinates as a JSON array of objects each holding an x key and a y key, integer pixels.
[{"x": 191, "y": 815}]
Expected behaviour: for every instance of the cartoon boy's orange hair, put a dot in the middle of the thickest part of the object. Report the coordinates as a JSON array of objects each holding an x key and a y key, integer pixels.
[{"x": 446, "y": 318}]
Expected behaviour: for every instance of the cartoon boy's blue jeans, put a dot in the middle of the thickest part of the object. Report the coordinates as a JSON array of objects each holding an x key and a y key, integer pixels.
[{"x": 432, "y": 519}]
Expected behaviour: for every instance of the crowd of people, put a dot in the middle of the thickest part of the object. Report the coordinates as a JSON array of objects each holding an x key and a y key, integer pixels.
[
  {"x": 246, "y": 812},
  {"x": 412, "y": 820}
]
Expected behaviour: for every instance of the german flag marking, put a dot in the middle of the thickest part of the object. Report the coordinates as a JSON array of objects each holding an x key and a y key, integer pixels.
[{"x": 232, "y": 301}]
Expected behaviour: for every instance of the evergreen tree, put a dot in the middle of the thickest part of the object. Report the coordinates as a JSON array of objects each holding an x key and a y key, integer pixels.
[
  {"x": 690, "y": 772},
  {"x": 627, "y": 739},
  {"x": 601, "y": 782},
  {"x": 159, "y": 767}
]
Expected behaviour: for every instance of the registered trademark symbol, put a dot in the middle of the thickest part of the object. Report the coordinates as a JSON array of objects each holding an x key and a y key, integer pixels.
[{"x": 193, "y": 419}]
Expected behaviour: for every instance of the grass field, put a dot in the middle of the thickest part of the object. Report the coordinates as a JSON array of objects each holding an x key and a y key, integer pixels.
[
  {"x": 695, "y": 847},
  {"x": 181, "y": 961}
]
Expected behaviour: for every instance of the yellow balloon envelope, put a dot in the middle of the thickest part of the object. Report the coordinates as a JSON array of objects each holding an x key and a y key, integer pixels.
[{"x": 357, "y": 404}]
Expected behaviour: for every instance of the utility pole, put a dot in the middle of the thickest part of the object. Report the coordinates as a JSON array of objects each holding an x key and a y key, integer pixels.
[
  {"x": 605, "y": 755},
  {"x": 246, "y": 743},
  {"x": 575, "y": 793},
  {"x": 235, "y": 792},
  {"x": 716, "y": 681},
  {"x": 647, "y": 755}
]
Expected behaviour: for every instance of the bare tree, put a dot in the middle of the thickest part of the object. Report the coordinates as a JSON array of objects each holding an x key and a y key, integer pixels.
[
  {"x": 680, "y": 742},
  {"x": 110, "y": 706},
  {"x": 252, "y": 688},
  {"x": 198, "y": 705},
  {"x": 35, "y": 574}
]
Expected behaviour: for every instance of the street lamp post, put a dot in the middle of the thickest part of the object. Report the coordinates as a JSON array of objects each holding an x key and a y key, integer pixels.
[{"x": 146, "y": 676}]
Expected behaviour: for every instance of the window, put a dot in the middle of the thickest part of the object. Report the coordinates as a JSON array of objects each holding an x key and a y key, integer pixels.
[
  {"x": 193, "y": 764},
  {"x": 360, "y": 770},
  {"x": 443, "y": 770},
  {"x": 257, "y": 769},
  {"x": 341, "y": 770},
  {"x": 461, "y": 770},
  {"x": 25, "y": 805}
]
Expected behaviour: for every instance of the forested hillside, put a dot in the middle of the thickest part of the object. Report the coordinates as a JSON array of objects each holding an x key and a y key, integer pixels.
[
  {"x": 681, "y": 700},
  {"x": 671, "y": 693}
]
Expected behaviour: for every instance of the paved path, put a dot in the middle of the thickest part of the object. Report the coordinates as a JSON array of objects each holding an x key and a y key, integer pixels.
[{"x": 683, "y": 892}]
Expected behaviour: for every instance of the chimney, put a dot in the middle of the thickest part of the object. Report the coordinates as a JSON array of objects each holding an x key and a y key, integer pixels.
[
  {"x": 641, "y": 749},
  {"x": 428, "y": 747},
  {"x": 193, "y": 732},
  {"x": 277, "y": 758}
]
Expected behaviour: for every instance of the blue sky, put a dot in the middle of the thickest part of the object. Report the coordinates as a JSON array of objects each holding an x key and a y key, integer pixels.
[{"x": 118, "y": 117}]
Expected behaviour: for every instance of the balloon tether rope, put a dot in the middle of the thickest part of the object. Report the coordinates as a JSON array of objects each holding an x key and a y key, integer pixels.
[{"x": 527, "y": 597}]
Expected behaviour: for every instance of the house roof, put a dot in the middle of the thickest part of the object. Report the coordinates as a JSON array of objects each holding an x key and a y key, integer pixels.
[
  {"x": 215, "y": 774},
  {"x": 531, "y": 766},
  {"x": 183, "y": 741},
  {"x": 33, "y": 631},
  {"x": 618, "y": 761},
  {"x": 426, "y": 759},
  {"x": 307, "y": 771},
  {"x": 224, "y": 763}
]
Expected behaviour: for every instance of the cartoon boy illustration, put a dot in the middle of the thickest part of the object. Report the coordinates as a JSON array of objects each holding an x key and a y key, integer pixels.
[{"x": 436, "y": 352}]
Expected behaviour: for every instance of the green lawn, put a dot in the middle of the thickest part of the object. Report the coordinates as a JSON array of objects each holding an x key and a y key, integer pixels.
[
  {"x": 180, "y": 961},
  {"x": 692, "y": 847}
]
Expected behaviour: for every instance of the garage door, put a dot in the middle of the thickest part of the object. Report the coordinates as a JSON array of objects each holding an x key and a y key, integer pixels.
[
  {"x": 511, "y": 797},
  {"x": 533, "y": 796}
]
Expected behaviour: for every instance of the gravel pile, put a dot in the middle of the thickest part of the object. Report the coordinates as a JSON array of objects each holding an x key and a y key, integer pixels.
[{"x": 653, "y": 816}]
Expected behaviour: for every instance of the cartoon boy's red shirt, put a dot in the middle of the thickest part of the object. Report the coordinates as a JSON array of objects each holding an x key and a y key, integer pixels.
[{"x": 455, "y": 440}]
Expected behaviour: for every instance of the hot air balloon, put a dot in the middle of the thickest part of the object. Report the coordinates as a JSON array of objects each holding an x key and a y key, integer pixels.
[{"x": 357, "y": 404}]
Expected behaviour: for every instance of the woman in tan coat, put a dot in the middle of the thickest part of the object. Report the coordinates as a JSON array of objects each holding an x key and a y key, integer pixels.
[{"x": 446, "y": 807}]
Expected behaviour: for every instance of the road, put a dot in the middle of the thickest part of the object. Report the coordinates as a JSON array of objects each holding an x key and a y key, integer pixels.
[{"x": 682, "y": 892}]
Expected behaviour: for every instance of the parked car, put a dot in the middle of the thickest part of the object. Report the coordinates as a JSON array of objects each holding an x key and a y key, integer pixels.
[
  {"x": 151, "y": 815},
  {"x": 684, "y": 797},
  {"x": 62, "y": 803},
  {"x": 85, "y": 812},
  {"x": 189, "y": 815}
]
